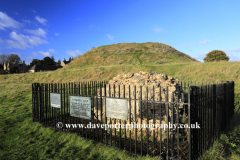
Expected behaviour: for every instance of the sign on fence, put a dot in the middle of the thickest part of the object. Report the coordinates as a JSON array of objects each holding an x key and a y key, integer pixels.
[
  {"x": 116, "y": 108},
  {"x": 80, "y": 107},
  {"x": 55, "y": 100}
]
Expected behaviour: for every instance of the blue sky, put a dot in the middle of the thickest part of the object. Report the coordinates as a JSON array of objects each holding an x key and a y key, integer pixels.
[{"x": 34, "y": 29}]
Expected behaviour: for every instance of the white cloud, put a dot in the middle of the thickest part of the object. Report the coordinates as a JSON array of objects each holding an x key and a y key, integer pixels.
[
  {"x": 37, "y": 32},
  {"x": 157, "y": 29},
  {"x": 204, "y": 42},
  {"x": 15, "y": 44},
  {"x": 26, "y": 21},
  {"x": 94, "y": 27},
  {"x": 8, "y": 22},
  {"x": 110, "y": 37},
  {"x": 34, "y": 11},
  {"x": 23, "y": 41},
  {"x": 36, "y": 41},
  {"x": 45, "y": 54},
  {"x": 16, "y": 13},
  {"x": 56, "y": 34},
  {"x": 52, "y": 51},
  {"x": 17, "y": 37},
  {"x": 74, "y": 53},
  {"x": 34, "y": 53},
  {"x": 41, "y": 20},
  {"x": 1, "y": 41},
  {"x": 27, "y": 39}
]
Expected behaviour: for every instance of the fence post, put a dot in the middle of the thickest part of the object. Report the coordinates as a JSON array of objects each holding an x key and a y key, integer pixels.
[
  {"x": 167, "y": 118},
  {"x": 46, "y": 105},
  {"x": 105, "y": 94},
  {"x": 219, "y": 107},
  {"x": 172, "y": 130},
  {"x": 42, "y": 107},
  {"x": 194, "y": 119},
  {"x": 178, "y": 93},
  {"x": 35, "y": 109},
  {"x": 233, "y": 99},
  {"x": 189, "y": 129},
  {"x": 214, "y": 111},
  {"x": 228, "y": 101},
  {"x": 225, "y": 108}
]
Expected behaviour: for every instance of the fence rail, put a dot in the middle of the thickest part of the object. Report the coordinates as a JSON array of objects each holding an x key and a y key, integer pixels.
[{"x": 210, "y": 105}]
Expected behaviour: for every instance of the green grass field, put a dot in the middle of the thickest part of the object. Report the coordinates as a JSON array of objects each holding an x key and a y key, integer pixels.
[
  {"x": 23, "y": 139},
  {"x": 20, "y": 138}
]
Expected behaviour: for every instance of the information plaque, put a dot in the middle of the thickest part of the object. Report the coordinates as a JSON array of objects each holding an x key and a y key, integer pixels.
[
  {"x": 116, "y": 108},
  {"x": 55, "y": 100},
  {"x": 80, "y": 107}
]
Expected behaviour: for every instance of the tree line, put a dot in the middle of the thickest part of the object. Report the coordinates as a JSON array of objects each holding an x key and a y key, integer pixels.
[
  {"x": 8, "y": 58},
  {"x": 48, "y": 61}
]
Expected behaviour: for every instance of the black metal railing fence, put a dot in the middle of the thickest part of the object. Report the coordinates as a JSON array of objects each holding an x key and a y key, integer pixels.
[{"x": 210, "y": 105}]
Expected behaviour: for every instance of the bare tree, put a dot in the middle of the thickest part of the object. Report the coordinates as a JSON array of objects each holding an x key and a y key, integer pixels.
[
  {"x": 13, "y": 58},
  {"x": 3, "y": 58}
]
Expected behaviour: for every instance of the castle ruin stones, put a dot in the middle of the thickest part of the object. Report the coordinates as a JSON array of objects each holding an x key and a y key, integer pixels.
[{"x": 147, "y": 80}]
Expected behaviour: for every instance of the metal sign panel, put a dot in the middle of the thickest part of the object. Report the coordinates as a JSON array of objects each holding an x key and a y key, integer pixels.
[
  {"x": 55, "y": 100},
  {"x": 80, "y": 107},
  {"x": 116, "y": 108}
]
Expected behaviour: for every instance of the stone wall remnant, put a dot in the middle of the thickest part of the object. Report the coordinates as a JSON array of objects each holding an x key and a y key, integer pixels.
[{"x": 151, "y": 83}]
